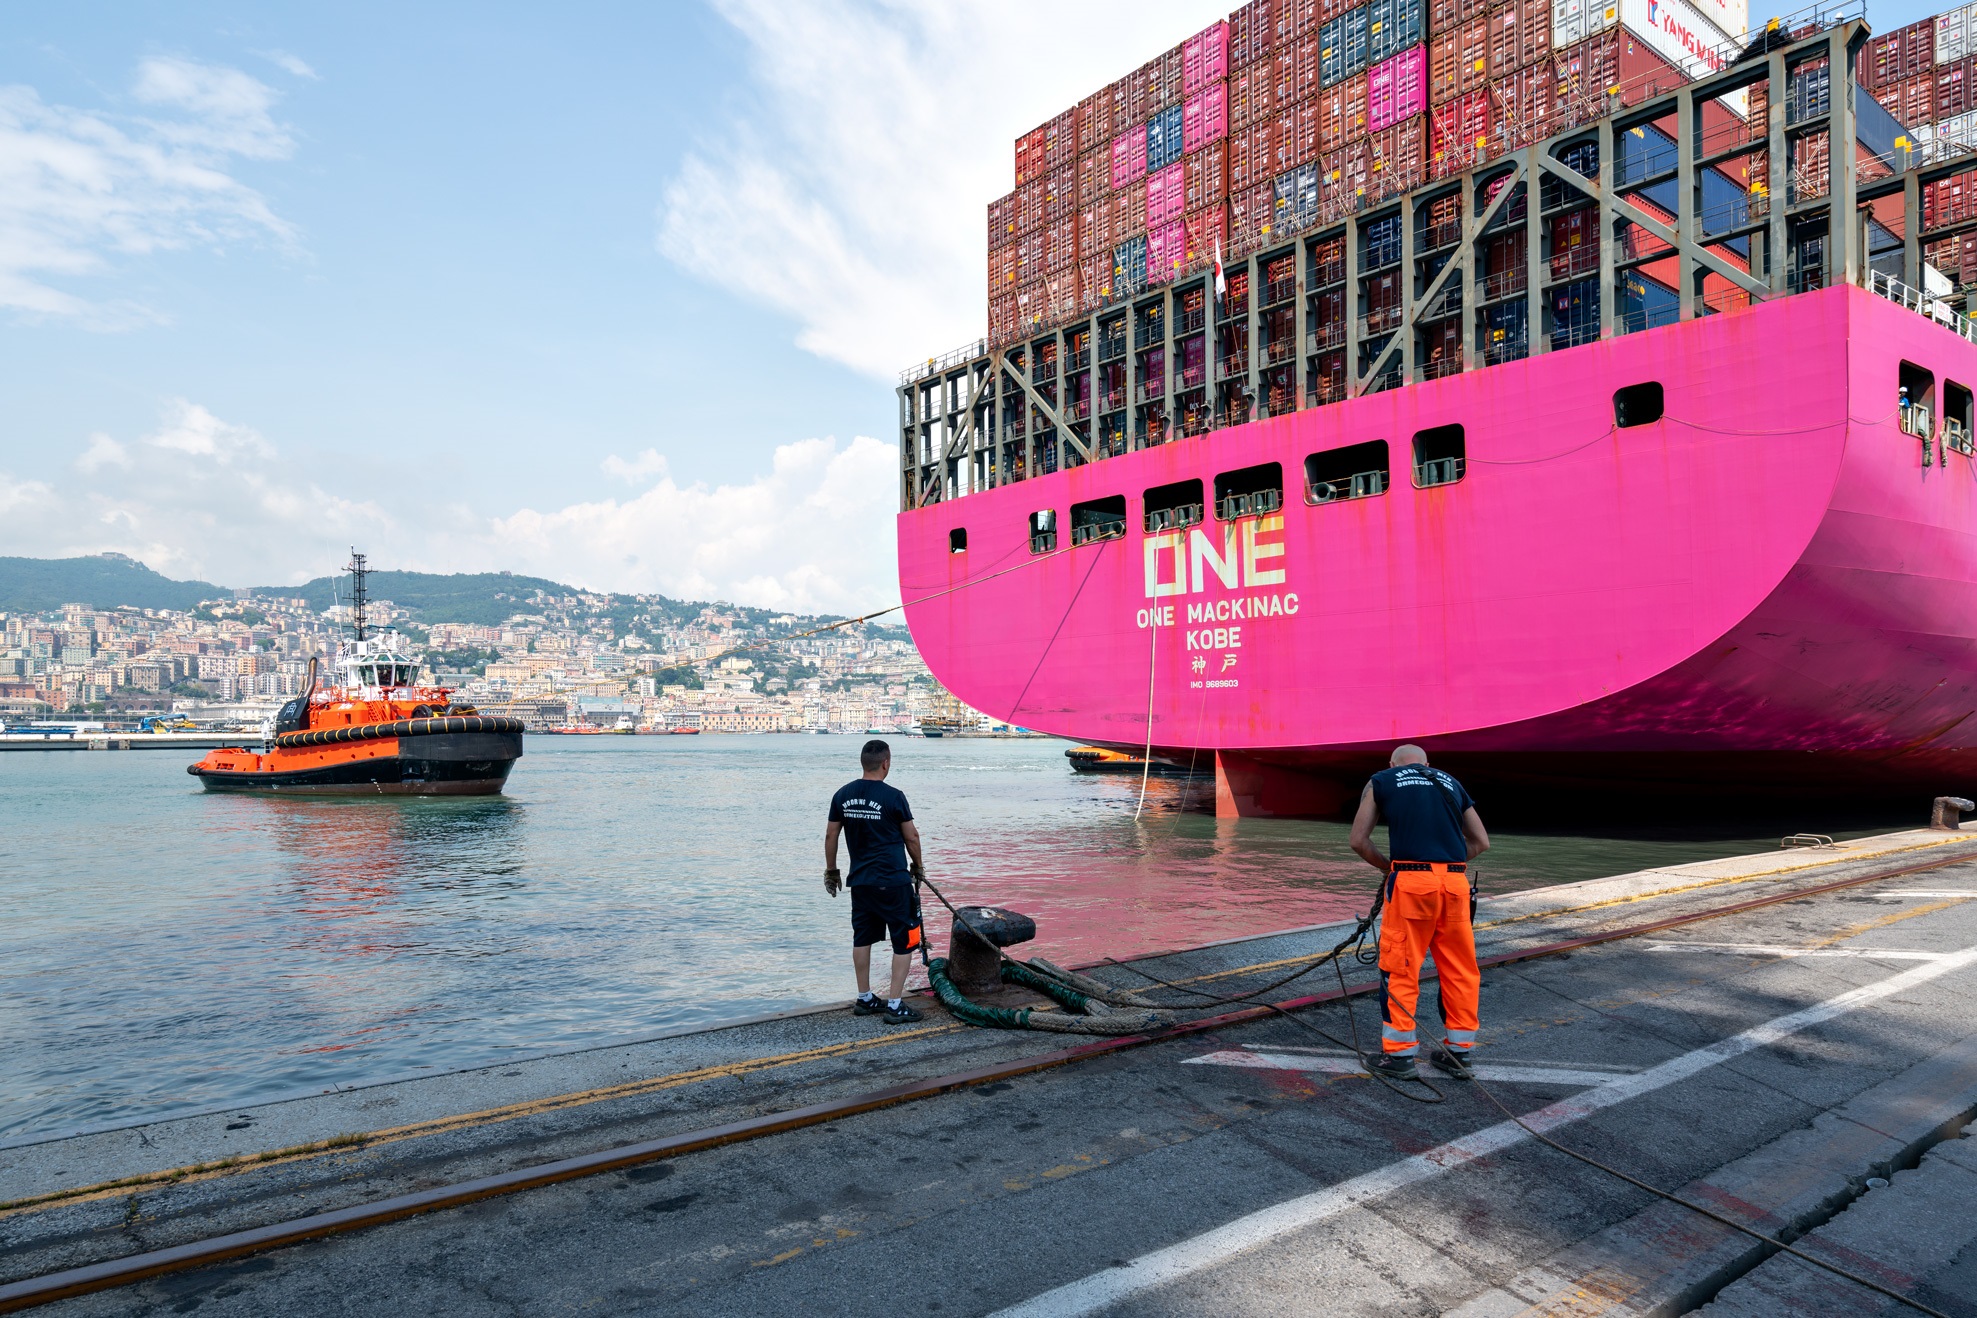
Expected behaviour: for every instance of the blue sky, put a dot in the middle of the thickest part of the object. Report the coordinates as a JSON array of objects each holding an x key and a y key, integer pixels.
[{"x": 609, "y": 292}]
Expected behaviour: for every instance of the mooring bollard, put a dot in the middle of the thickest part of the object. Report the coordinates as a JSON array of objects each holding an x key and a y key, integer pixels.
[
  {"x": 973, "y": 963},
  {"x": 1945, "y": 814}
]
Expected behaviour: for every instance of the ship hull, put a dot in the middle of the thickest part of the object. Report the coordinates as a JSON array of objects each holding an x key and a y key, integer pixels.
[
  {"x": 1764, "y": 594},
  {"x": 437, "y": 764}
]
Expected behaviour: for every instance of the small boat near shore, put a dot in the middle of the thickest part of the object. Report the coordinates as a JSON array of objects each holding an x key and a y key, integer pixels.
[
  {"x": 1099, "y": 759},
  {"x": 376, "y": 732}
]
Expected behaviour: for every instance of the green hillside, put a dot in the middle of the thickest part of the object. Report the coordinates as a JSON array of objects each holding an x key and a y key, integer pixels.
[
  {"x": 102, "y": 581},
  {"x": 486, "y": 598}
]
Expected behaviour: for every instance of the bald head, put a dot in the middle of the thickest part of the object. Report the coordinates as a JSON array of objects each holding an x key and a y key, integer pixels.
[{"x": 1409, "y": 754}]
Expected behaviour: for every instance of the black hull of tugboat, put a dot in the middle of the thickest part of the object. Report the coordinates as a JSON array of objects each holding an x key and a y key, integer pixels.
[{"x": 437, "y": 764}]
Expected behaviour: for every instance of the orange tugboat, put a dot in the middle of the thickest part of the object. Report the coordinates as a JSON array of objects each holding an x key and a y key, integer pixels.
[{"x": 379, "y": 732}]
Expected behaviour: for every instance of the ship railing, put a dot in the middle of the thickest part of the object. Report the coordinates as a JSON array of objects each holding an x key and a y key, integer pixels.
[
  {"x": 1916, "y": 421},
  {"x": 935, "y": 365},
  {"x": 1092, "y": 532},
  {"x": 1938, "y": 309},
  {"x": 1437, "y": 471},
  {"x": 1360, "y": 485},
  {"x": 1172, "y": 519},
  {"x": 1232, "y": 367},
  {"x": 1249, "y": 505},
  {"x": 1956, "y": 438}
]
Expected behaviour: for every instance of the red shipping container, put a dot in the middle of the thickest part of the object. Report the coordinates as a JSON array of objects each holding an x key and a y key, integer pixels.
[
  {"x": 1949, "y": 200},
  {"x": 1029, "y": 206},
  {"x": 1303, "y": 18},
  {"x": 1445, "y": 14},
  {"x": 1954, "y": 88},
  {"x": 1133, "y": 216},
  {"x": 1250, "y": 218},
  {"x": 1166, "y": 252},
  {"x": 1086, "y": 112},
  {"x": 1030, "y": 251},
  {"x": 1250, "y": 95},
  {"x": 1205, "y": 117},
  {"x": 1912, "y": 101},
  {"x": 1166, "y": 194},
  {"x": 1460, "y": 133},
  {"x": 1174, "y": 76},
  {"x": 1252, "y": 33},
  {"x": 1142, "y": 84},
  {"x": 1205, "y": 58},
  {"x": 1331, "y": 9},
  {"x": 1398, "y": 154},
  {"x": 1060, "y": 139},
  {"x": 1613, "y": 60},
  {"x": 1519, "y": 34},
  {"x": 1207, "y": 172},
  {"x": 1525, "y": 102},
  {"x": 1306, "y": 65},
  {"x": 1060, "y": 245},
  {"x": 1094, "y": 176},
  {"x": 1343, "y": 174},
  {"x": 1094, "y": 281},
  {"x": 1129, "y": 157},
  {"x": 1534, "y": 31},
  {"x": 1099, "y": 132},
  {"x": 1029, "y": 156},
  {"x": 1207, "y": 235},
  {"x": 1241, "y": 173},
  {"x": 1283, "y": 74},
  {"x": 1002, "y": 319},
  {"x": 1574, "y": 245},
  {"x": 1002, "y": 269},
  {"x": 1060, "y": 196},
  {"x": 1305, "y": 145},
  {"x": 1397, "y": 88},
  {"x": 1002, "y": 220},
  {"x": 1907, "y": 52},
  {"x": 1342, "y": 113},
  {"x": 1459, "y": 60}
]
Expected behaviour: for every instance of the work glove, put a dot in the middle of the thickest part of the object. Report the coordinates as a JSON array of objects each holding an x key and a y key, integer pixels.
[
  {"x": 832, "y": 881},
  {"x": 919, "y": 874}
]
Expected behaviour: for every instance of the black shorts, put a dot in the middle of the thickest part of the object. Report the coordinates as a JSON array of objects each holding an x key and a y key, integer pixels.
[{"x": 878, "y": 909}]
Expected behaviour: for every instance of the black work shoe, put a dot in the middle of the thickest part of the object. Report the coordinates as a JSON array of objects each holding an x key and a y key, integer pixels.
[
  {"x": 1395, "y": 1066},
  {"x": 897, "y": 1015},
  {"x": 871, "y": 1006},
  {"x": 1451, "y": 1063}
]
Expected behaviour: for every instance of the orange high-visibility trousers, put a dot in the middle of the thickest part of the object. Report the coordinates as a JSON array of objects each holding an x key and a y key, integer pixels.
[{"x": 1427, "y": 914}]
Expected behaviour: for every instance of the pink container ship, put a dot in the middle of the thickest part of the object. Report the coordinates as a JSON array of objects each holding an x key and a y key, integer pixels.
[{"x": 1712, "y": 545}]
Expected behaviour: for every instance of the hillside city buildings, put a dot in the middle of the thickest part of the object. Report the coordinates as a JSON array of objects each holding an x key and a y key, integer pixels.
[{"x": 580, "y": 661}]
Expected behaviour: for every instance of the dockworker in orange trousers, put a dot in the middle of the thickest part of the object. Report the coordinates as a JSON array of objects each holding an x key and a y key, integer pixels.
[{"x": 1434, "y": 832}]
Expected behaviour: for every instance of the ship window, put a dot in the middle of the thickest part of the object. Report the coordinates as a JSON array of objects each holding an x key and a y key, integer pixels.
[
  {"x": 1043, "y": 531},
  {"x": 1098, "y": 519},
  {"x": 957, "y": 540},
  {"x": 1957, "y": 418},
  {"x": 1916, "y": 401},
  {"x": 1637, "y": 404},
  {"x": 1357, "y": 471},
  {"x": 1172, "y": 507},
  {"x": 1249, "y": 492},
  {"x": 1439, "y": 458}
]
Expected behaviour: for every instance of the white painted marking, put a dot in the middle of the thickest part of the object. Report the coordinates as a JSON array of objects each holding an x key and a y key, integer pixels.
[
  {"x": 1766, "y": 949},
  {"x": 1530, "y": 1075},
  {"x": 1104, "y": 1289},
  {"x": 1931, "y": 892}
]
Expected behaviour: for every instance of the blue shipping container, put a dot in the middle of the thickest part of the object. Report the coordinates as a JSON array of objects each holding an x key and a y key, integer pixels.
[
  {"x": 1163, "y": 139},
  {"x": 1342, "y": 48},
  {"x": 1392, "y": 26},
  {"x": 1129, "y": 267}
]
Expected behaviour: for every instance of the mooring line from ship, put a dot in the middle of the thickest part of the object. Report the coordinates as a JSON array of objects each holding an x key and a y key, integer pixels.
[
  {"x": 155, "y": 1263},
  {"x": 1146, "y": 760}
]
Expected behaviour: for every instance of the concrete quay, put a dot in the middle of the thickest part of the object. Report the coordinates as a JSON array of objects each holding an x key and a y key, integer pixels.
[{"x": 1775, "y": 1064}]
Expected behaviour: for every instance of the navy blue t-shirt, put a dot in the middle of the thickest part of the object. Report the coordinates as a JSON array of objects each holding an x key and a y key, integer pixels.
[
  {"x": 1423, "y": 810},
  {"x": 871, "y": 813}
]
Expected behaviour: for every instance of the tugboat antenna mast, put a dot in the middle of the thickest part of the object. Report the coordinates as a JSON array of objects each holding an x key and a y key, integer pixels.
[{"x": 358, "y": 594}]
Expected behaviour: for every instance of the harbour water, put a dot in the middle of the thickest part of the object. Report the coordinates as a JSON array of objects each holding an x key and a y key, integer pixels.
[{"x": 163, "y": 949}]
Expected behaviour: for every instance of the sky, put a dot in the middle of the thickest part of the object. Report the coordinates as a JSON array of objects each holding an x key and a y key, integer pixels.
[{"x": 614, "y": 294}]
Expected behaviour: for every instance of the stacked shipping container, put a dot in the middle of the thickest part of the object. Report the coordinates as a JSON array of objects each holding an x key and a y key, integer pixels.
[
  {"x": 1925, "y": 75},
  {"x": 1293, "y": 110}
]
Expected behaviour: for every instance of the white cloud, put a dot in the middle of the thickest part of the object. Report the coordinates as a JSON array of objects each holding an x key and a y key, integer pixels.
[
  {"x": 640, "y": 469},
  {"x": 203, "y": 497},
  {"x": 288, "y": 63},
  {"x": 851, "y": 195},
  {"x": 78, "y": 190}
]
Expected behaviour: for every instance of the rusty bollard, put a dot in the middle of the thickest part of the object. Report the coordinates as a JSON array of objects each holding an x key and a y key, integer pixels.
[
  {"x": 973, "y": 963},
  {"x": 1945, "y": 814}
]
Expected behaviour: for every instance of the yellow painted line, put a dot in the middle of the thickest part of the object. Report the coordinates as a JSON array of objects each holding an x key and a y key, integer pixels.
[
  {"x": 1854, "y": 931},
  {"x": 466, "y": 1120}
]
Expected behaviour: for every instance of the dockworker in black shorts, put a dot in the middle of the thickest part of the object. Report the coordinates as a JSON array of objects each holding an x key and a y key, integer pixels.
[{"x": 878, "y": 825}]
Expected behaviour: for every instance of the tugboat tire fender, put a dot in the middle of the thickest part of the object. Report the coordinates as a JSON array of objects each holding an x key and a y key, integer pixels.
[{"x": 414, "y": 727}]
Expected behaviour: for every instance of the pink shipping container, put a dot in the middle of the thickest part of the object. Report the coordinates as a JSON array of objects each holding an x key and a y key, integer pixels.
[
  {"x": 1205, "y": 58},
  {"x": 1397, "y": 89},
  {"x": 1208, "y": 233},
  {"x": 1129, "y": 157},
  {"x": 1166, "y": 252},
  {"x": 1252, "y": 32},
  {"x": 1166, "y": 194},
  {"x": 1205, "y": 117}
]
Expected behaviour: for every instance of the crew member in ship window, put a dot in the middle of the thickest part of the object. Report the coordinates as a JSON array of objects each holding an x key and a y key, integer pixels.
[
  {"x": 1434, "y": 832},
  {"x": 877, "y": 825}
]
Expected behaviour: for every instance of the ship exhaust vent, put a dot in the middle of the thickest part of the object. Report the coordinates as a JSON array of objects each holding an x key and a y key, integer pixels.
[
  {"x": 1098, "y": 519},
  {"x": 1250, "y": 492},
  {"x": 1637, "y": 404},
  {"x": 1358, "y": 471},
  {"x": 1440, "y": 456},
  {"x": 1173, "y": 507}
]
